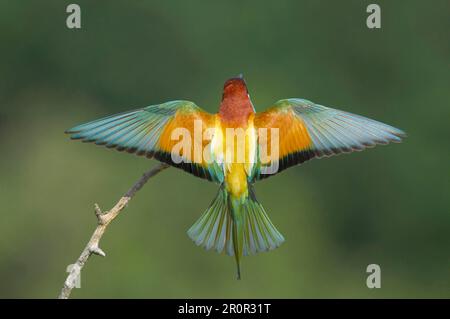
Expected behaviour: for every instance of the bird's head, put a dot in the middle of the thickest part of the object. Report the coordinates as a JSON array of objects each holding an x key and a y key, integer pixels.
[
  {"x": 236, "y": 104},
  {"x": 235, "y": 88}
]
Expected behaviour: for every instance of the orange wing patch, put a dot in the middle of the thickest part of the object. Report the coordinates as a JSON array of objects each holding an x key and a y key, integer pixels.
[
  {"x": 293, "y": 136},
  {"x": 190, "y": 128}
]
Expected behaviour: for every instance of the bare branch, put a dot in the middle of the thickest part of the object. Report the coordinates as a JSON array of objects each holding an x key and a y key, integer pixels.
[{"x": 104, "y": 219}]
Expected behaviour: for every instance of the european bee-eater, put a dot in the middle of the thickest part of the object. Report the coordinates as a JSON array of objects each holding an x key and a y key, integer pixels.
[{"x": 299, "y": 129}]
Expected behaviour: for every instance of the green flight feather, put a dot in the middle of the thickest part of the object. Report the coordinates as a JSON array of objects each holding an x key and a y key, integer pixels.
[{"x": 139, "y": 132}]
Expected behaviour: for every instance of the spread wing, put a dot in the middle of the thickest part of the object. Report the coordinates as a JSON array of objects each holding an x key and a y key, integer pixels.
[
  {"x": 154, "y": 132},
  {"x": 307, "y": 130}
]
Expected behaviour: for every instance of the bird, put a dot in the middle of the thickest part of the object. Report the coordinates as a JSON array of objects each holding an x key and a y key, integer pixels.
[{"x": 231, "y": 148}]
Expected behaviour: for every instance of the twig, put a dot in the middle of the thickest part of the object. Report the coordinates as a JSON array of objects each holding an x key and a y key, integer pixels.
[{"x": 104, "y": 219}]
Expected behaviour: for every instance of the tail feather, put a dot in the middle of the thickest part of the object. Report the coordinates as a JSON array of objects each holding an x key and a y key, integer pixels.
[
  {"x": 213, "y": 228},
  {"x": 260, "y": 234},
  {"x": 236, "y": 227}
]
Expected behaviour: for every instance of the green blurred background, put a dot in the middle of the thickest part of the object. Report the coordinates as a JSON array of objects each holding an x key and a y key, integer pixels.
[{"x": 389, "y": 205}]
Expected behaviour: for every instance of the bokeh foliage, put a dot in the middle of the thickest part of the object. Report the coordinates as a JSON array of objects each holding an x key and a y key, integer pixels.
[{"x": 389, "y": 205}]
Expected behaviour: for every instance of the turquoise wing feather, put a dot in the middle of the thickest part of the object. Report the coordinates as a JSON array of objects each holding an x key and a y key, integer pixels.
[
  {"x": 147, "y": 132},
  {"x": 308, "y": 130},
  {"x": 333, "y": 131}
]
